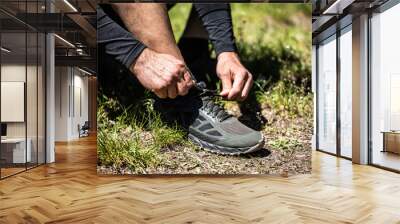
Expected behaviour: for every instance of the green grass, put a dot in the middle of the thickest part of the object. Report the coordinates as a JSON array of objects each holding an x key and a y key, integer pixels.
[
  {"x": 134, "y": 137},
  {"x": 284, "y": 143},
  {"x": 286, "y": 98}
]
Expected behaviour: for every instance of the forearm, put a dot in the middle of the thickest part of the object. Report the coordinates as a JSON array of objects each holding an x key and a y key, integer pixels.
[
  {"x": 217, "y": 20},
  {"x": 149, "y": 22},
  {"x": 117, "y": 41}
]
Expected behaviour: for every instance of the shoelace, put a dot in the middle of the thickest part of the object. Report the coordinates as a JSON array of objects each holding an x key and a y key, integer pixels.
[
  {"x": 208, "y": 96},
  {"x": 213, "y": 109}
]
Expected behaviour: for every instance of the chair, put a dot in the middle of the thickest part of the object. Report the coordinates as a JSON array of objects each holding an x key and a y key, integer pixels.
[{"x": 84, "y": 130}]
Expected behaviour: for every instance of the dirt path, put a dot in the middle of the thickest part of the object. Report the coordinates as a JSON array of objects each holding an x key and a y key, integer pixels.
[{"x": 287, "y": 152}]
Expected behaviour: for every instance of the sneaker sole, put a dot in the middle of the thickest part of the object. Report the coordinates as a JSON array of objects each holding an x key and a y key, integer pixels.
[{"x": 209, "y": 147}]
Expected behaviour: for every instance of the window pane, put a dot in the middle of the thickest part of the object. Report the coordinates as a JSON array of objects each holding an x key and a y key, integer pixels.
[
  {"x": 346, "y": 92},
  {"x": 31, "y": 97},
  {"x": 327, "y": 96}
]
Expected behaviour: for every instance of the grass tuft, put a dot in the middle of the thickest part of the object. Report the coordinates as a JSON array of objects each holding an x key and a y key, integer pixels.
[
  {"x": 286, "y": 98},
  {"x": 283, "y": 143},
  {"x": 132, "y": 137}
]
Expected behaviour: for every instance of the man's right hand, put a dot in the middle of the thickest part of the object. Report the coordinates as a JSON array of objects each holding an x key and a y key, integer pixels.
[{"x": 163, "y": 74}]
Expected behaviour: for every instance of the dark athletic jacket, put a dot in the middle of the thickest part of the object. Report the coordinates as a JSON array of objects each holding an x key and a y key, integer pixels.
[{"x": 122, "y": 45}]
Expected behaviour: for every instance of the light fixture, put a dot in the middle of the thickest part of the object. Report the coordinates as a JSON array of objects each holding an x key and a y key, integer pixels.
[
  {"x": 70, "y": 5},
  {"x": 64, "y": 40},
  {"x": 337, "y": 7},
  {"x": 5, "y": 50},
  {"x": 84, "y": 71}
]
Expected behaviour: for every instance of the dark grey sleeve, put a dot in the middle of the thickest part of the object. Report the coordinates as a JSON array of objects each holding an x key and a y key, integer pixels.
[
  {"x": 217, "y": 20},
  {"x": 116, "y": 40}
]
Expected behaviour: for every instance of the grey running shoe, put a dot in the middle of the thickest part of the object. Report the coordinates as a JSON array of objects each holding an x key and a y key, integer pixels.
[
  {"x": 210, "y": 126},
  {"x": 216, "y": 131}
]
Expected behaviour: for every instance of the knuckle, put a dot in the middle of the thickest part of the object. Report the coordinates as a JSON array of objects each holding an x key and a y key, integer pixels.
[
  {"x": 168, "y": 80},
  {"x": 180, "y": 64},
  {"x": 175, "y": 71},
  {"x": 157, "y": 87},
  {"x": 243, "y": 73},
  {"x": 163, "y": 85}
]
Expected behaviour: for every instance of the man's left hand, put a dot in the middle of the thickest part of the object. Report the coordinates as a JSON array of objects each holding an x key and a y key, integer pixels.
[{"x": 236, "y": 80}]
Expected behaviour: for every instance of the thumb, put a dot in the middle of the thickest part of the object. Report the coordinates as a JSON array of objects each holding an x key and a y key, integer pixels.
[{"x": 226, "y": 85}]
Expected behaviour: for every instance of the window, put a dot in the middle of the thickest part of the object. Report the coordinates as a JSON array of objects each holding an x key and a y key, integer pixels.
[
  {"x": 326, "y": 137},
  {"x": 22, "y": 95},
  {"x": 385, "y": 89}
]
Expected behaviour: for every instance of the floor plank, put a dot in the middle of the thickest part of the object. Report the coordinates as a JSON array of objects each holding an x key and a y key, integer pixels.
[{"x": 69, "y": 191}]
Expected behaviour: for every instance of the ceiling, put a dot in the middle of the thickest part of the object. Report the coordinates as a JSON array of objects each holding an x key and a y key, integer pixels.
[
  {"x": 328, "y": 16},
  {"x": 74, "y": 21}
]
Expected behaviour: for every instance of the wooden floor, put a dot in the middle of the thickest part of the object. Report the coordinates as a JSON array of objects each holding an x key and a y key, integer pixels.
[
  {"x": 10, "y": 171},
  {"x": 69, "y": 191},
  {"x": 387, "y": 159}
]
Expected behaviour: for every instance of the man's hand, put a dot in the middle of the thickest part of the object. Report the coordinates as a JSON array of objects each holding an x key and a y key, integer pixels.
[
  {"x": 163, "y": 74},
  {"x": 236, "y": 80}
]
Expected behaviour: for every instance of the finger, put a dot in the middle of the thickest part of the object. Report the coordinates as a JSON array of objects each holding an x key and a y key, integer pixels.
[
  {"x": 237, "y": 87},
  {"x": 247, "y": 87},
  {"x": 162, "y": 93},
  {"x": 177, "y": 72},
  {"x": 226, "y": 85},
  {"x": 185, "y": 84},
  {"x": 172, "y": 92}
]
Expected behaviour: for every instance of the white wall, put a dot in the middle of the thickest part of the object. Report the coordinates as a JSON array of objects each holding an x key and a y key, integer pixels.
[
  {"x": 62, "y": 81},
  {"x": 70, "y": 83}
]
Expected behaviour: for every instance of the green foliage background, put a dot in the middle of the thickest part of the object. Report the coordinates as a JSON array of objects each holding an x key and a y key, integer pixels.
[{"x": 274, "y": 40}]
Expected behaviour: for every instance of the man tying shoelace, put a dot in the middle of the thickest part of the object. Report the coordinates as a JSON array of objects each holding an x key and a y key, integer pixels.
[{"x": 139, "y": 36}]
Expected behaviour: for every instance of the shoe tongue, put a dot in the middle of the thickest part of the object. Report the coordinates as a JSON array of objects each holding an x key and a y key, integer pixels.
[
  {"x": 207, "y": 98},
  {"x": 216, "y": 110}
]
